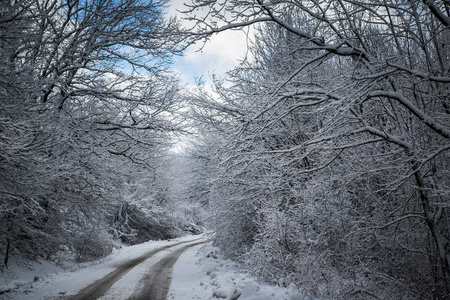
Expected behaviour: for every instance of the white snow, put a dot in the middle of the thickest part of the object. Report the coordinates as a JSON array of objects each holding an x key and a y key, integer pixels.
[
  {"x": 198, "y": 274},
  {"x": 201, "y": 274},
  {"x": 45, "y": 280}
]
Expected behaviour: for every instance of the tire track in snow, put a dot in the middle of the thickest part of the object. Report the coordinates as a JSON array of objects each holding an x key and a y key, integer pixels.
[
  {"x": 99, "y": 287},
  {"x": 157, "y": 281}
]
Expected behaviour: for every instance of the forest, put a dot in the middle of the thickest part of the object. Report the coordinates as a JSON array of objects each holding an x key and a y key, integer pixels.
[{"x": 321, "y": 160}]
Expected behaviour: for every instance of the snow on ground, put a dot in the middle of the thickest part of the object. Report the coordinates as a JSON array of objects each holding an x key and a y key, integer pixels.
[
  {"x": 201, "y": 274},
  {"x": 198, "y": 274},
  {"x": 45, "y": 280}
]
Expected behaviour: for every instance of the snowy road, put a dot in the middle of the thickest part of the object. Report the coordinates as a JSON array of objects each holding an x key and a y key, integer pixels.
[
  {"x": 179, "y": 269},
  {"x": 122, "y": 275},
  {"x": 156, "y": 281}
]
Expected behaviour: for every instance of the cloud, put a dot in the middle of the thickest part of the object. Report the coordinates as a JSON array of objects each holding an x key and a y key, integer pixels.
[{"x": 218, "y": 55}]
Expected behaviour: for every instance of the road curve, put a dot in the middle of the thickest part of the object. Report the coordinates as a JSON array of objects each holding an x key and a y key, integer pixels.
[
  {"x": 101, "y": 286},
  {"x": 157, "y": 281}
]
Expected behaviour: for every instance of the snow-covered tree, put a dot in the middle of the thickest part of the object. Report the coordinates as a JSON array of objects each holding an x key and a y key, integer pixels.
[
  {"x": 338, "y": 129},
  {"x": 84, "y": 88}
]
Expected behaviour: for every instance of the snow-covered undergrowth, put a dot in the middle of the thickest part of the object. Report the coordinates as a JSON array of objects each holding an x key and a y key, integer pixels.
[{"x": 201, "y": 274}]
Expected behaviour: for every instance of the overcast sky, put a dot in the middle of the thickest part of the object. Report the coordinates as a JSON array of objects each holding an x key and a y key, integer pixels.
[{"x": 219, "y": 54}]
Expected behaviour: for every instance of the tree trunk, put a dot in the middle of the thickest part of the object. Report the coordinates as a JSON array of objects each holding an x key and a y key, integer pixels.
[{"x": 8, "y": 246}]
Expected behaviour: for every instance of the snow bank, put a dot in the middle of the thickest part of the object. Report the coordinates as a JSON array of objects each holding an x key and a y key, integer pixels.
[
  {"x": 26, "y": 273},
  {"x": 201, "y": 274}
]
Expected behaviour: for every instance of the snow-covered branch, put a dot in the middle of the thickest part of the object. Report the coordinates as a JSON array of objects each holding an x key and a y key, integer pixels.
[{"x": 435, "y": 126}]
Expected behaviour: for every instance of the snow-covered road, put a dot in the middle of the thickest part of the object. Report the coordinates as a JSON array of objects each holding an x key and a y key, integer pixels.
[
  {"x": 118, "y": 276},
  {"x": 156, "y": 281},
  {"x": 192, "y": 270}
]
